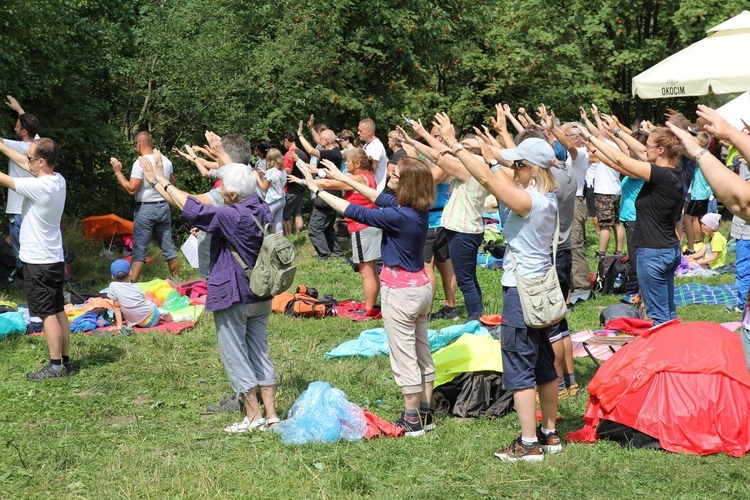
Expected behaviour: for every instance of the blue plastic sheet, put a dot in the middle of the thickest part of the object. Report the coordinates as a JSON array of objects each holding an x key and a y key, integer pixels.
[
  {"x": 12, "y": 323},
  {"x": 373, "y": 342},
  {"x": 322, "y": 414}
]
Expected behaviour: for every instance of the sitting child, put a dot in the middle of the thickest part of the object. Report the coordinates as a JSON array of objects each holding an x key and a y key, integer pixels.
[
  {"x": 130, "y": 301},
  {"x": 713, "y": 253}
]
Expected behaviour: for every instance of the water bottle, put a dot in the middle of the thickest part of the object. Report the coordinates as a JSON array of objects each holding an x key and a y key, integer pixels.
[{"x": 618, "y": 281}]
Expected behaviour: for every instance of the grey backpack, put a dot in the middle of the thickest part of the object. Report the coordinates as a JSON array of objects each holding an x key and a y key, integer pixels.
[{"x": 273, "y": 272}]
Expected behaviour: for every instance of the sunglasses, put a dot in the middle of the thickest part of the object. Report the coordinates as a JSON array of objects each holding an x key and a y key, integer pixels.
[{"x": 518, "y": 164}]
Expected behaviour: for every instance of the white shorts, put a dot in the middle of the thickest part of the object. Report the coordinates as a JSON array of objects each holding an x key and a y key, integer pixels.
[{"x": 366, "y": 245}]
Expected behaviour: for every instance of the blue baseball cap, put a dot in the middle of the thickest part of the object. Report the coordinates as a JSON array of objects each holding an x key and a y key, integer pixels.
[{"x": 119, "y": 269}]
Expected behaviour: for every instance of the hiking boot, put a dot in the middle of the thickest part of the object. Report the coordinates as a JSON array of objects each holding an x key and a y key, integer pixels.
[
  {"x": 71, "y": 369},
  {"x": 551, "y": 443},
  {"x": 49, "y": 371},
  {"x": 410, "y": 429},
  {"x": 573, "y": 390},
  {"x": 427, "y": 422},
  {"x": 228, "y": 404},
  {"x": 443, "y": 314},
  {"x": 517, "y": 451}
]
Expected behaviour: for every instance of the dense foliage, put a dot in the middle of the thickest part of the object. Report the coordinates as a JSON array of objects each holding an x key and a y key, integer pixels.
[{"x": 98, "y": 71}]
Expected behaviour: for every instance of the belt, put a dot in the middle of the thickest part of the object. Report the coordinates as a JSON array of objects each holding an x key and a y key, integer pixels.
[{"x": 149, "y": 202}]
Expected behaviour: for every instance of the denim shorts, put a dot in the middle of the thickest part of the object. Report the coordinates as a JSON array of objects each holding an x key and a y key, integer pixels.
[
  {"x": 528, "y": 358},
  {"x": 152, "y": 220}
]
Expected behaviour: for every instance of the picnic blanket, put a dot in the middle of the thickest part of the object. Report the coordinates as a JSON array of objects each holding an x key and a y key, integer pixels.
[
  {"x": 372, "y": 342},
  {"x": 698, "y": 293},
  {"x": 168, "y": 327}
]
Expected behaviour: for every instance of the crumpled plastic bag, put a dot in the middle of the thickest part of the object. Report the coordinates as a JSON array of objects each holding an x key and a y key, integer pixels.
[
  {"x": 12, "y": 323},
  {"x": 322, "y": 414}
]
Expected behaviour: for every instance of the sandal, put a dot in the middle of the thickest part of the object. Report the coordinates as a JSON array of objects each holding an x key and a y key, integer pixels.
[
  {"x": 271, "y": 424},
  {"x": 245, "y": 426}
]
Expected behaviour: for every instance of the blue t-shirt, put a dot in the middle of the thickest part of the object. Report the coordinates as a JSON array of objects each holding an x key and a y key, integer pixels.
[
  {"x": 442, "y": 195},
  {"x": 404, "y": 231},
  {"x": 630, "y": 189},
  {"x": 700, "y": 190},
  {"x": 560, "y": 152}
]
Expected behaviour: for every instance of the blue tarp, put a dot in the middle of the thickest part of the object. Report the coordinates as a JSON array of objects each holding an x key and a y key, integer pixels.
[{"x": 373, "y": 342}]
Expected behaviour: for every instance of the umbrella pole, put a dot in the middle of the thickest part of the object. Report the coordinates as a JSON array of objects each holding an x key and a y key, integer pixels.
[{"x": 111, "y": 241}]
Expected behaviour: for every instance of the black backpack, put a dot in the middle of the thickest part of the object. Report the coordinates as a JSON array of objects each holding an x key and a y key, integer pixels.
[{"x": 609, "y": 268}]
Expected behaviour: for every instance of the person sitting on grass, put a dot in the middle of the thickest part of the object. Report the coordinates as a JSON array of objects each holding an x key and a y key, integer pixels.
[
  {"x": 129, "y": 300},
  {"x": 713, "y": 253},
  {"x": 406, "y": 292}
]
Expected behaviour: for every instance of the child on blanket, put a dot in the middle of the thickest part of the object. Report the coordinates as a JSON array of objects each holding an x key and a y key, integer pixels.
[
  {"x": 713, "y": 252},
  {"x": 130, "y": 301}
]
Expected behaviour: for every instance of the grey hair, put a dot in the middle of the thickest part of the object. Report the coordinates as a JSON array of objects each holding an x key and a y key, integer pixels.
[
  {"x": 238, "y": 148},
  {"x": 575, "y": 128},
  {"x": 238, "y": 178}
]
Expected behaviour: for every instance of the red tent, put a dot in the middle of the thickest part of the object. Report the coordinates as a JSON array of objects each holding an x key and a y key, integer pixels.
[{"x": 685, "y": 384}]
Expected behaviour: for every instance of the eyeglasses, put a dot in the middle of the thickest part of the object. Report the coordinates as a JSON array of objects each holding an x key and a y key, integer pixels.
[
  {"x": 394, "y": 174},
  {"x": 649, "y": 146},
  {"x": 30, "y": 159},
  {"x": 518, "y": 164},
  {"x": 437, "y": 136}
]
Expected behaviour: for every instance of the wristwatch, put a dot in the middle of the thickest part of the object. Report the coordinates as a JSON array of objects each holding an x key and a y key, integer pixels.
[
  {"x": 317, "y": 191},
  {"x": 153, "y": 181},
  {"x": 493, "y": 163},
  {"x": 457, "y": 147}
]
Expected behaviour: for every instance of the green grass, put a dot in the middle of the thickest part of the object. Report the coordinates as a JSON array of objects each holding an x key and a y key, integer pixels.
[{"x": 130, "y": 424}]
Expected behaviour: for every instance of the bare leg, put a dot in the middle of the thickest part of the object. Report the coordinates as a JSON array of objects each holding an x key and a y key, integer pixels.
[
  {"x": 548, "y": 402},
  {"x": 448, "y": 277},
  {"x": 525, "y": 403},
  {"x": 411, "y": 401},
  {"x": 604, "y": 234},
  {"x": 568, "y": 356},
  {"x": 299, "y": 224},
  {"x": 559, "y": 350},
  {"x": 62, "y": 319},
  {"x": 54, "y": 335},
  {"x": 689, "y": 220},
  {"x": 252, "y": 407},
  {"x": 287, "y": 227},
  {"x": 619, "y": 237},
  {"x": 174, "y": 266},
  {"x": 268, "y": 394},
  {"x": 426, "y": 394},
  {"x": 370, "y": 283},
  {"x": 136, "y": 269}
]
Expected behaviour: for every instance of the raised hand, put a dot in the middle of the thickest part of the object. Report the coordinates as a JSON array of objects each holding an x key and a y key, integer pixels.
[
  {"x": 418, "y": 128},
  {"x": 486, "y": 152},
  {"x": 594, "y": 110},
  {"x": 717, "y": 126},
  {"x": 609, "y": 123},
  {"x": 443, "y": 122},
  {"x": 148, "y": 169},
  {"x": 584, "y": 116},
  {"x": 301, "y": 128},
  {"x": 309, "y": 181},
  {"x": 689, "y": 142},
  {"x": 13, "y": 104},
  {"x": 507, "y": 111},
  {"x": 158, "y": 165},
  {"x": 214, "y": 143},
  {"x": 411, "y": 151},
  {"x": 405, "y": 139},
  {"x": 116, "y": 165},
  {"x": 311, "y": 122},
  {"x": 332, "y": 170}
]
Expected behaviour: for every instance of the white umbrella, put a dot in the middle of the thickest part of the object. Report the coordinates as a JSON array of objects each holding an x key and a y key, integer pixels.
[
  {"x": 717, "y": 63},
  {"x": 736, "y": 110}
]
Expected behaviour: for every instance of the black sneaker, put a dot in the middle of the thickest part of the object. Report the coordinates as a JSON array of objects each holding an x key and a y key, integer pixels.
[
  {"x": 49, "y": 371},
  {"x": 228, "y": 404},
  {"x": 410, "y": 429},
  {"x": 599, "y": 255},
  {"x": 427, "y": 422},
  {"x": 688, "y": 252},
  {"x": 551, "y": 443},
  {"x": 516, "y": 451},
  {"x": 443, "y": 314},
  {"x": 71, "y": 369}
]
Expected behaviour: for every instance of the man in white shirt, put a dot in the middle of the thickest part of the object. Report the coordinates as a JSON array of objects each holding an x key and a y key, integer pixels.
[
  {"x": 375, "y": 150},
  {"x": 26, "y": 130},
  {"x": 42, "y": 249},
  {"x": 152, "y": 217}
]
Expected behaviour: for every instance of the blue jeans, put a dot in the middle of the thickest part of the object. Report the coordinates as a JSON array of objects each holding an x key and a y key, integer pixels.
[
  {"x": 656, "y": 267},
  {"x": 14, "y": 230},
  {"x": 462, "y": 248},
  {"x": 152, "y": 219},
  {"x": 742, "y": 271}
]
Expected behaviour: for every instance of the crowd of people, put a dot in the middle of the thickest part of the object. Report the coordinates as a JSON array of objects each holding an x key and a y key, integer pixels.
[{"x": 420, "y": 209}]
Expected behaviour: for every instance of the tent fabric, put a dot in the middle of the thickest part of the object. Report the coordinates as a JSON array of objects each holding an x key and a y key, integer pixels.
[
  {"x": 736, "y": 110},
  {"x": 470, "y": 353},
  {"x": 473, "y": 394},
  {"x": 104, "y": 227},
  {"x": 379, "y": 427},
  {"x": 720, "y": 70},
  {"x": 372, "y": 342},
  {"x": 685, "y": 384}
]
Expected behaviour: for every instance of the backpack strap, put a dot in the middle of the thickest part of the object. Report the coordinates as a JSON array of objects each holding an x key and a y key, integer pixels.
[{"x": 237, "y": 257}]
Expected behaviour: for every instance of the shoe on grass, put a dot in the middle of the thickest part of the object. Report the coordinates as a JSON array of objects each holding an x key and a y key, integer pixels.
[
  {"x": 246, "y": 426},
  {"x": 733, "y": 310},
  {"x": 71, "y": 369},
  {"x": 551, "y": 443},
  {"x": 49, "y": 371},
  {"x": 409, "y": 428},
  {"x": 227, "y": 404},
  {"x": 517, "y": 451},
  {"x": 428, "y": 424},
  {"x": 443, "y": 314}
]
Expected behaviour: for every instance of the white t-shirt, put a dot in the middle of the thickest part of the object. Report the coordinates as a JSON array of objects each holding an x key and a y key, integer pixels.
[
  {"x": 147, "y": 192},
  {"x": 44, "y": 201},
  {"x": 15, "y": 200},
  {"x": 376, "y": 151},
  {"x": 579, "y": 167},
  {"x": 135, "y": 308},
  {"x": 606, "y": 180}
]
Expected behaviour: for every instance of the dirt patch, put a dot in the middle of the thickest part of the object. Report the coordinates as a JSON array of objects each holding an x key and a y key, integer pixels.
[{"x": 119, "y": 420}]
